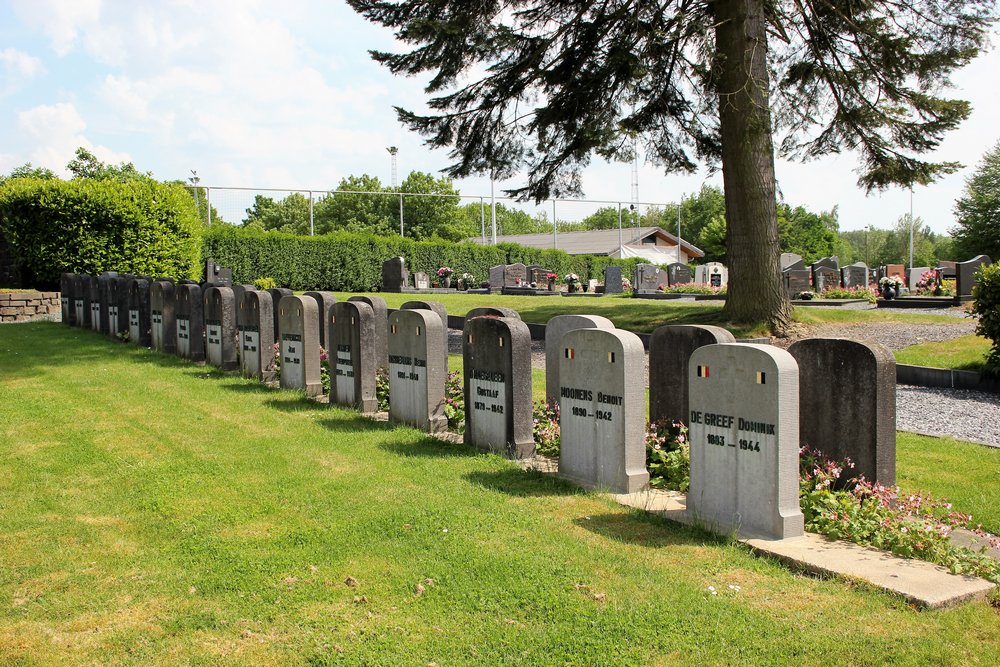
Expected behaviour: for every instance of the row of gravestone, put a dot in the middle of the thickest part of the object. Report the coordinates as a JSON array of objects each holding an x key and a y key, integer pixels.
[
  {"x": 650, "y": 278},
  {"x": 742, "y": 402}
]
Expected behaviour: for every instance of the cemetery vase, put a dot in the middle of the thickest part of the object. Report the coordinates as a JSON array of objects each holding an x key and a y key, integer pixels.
[
  {"x": 446, "y": 282},
  {"x": 552, "y": 286},
  {"x": 889, "y": 293}
]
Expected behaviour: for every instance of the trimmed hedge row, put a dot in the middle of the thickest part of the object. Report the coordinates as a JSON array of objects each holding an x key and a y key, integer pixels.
[
  {"x": 86, "y": 226},
  {"x": 353, "y": 262}
]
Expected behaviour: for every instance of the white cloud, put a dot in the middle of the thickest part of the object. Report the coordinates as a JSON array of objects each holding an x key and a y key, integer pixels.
[
  {"x": 19, "y": 64},
  {"x": 60, "y": 20},
  {"x": 56, "y": 132}
]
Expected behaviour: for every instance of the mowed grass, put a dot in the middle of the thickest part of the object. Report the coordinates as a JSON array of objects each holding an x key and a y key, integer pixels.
[
  {"x": 967, "y": 353},
  {"x": 156, "y": 512}
]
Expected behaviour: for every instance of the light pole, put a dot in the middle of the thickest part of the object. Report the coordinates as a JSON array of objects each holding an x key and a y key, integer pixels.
[
  {"x": 911, "y": 228},
  {"x": 393, "y": 151}
]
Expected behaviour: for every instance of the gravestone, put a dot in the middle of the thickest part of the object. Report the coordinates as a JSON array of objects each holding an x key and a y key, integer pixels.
[
  {"x": 714, "y": 274},
  {"x": 118, "y": 319},
  {"x": 238, "y": 291},
  {"x": 891, "y": 270},
  {"x": 913, "y": 276},
  {"x": 496, "y": 277},
  {"x": 217, "y": 275},
  {"x": 418, "y": 369},
  {"x": 650, "y": 278},
  {"x": 847, "y": 404},
  {"x": 744, "y": 437},
  {"x": 515, "y": 275},
  {"x": 79, "y": 288},
  {"x": 353, "y": 362},
  {"x": 139, "y": 315},
  {"x": 496, "y": 353},
  {"x": 68, "y": 309},
  {"x": 855, "y": 275},
  {"x": 394, "y": 275},
  {"x": 381, "y": 323},
  {"x": 190, "y": 315},
  {"x": 613, "y": 280},
  {"x": 670, "y": 349},
  {"x": 94, "y": 303},
  {"x": 825, "y": 278},
  {"x": 797, "y": 280},
  {"x": 421, "y": 280},
  {"x": 947, "y": 269},
  {"x": 555, "y": 329},
  {"x": 324, "y": 302},
  {"x": 255, "y": 321},
  {"x": 965, "y": 274},
  {"x": 492, "y": 311},
  {"x": 438, "y": 308},
  {"x": 163, "y": 323},
  {"x": 790, "y": 261},
  {"x": 602, "y": 410},
  {"x": 104, "y": 301},
  {"x": 678, "y": 273},
  {"x": 298, "y": 326},
  {"x": 220, "y": 328},
  {"x": 277, "y": 294}
]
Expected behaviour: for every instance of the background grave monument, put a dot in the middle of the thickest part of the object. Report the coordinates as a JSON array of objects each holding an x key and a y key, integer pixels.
[
  {"x": 324, "y": 302},
  {"x": 298, "y": 324},
  {"x": 613, "y": 280},
  {"x": 418, "y": 368},
  {"x": 854, "y": 275},
  {"x": 965, "y": 274},
  {"x": 277, "y": 294},
  {"x": 118, "y": 318},
  {"x": 255, "y": 321},
  {"x": 66, "y": 281},
  {"x": 678, "y": 273},
  {"x": 353, "y": 363},
  {"x": 395, "y": 277},
  {"x": 220, "y": 328},
  {"x": 94, "y": 300}
]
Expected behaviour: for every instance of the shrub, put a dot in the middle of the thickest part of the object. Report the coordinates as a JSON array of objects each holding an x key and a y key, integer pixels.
[
  {"x": 454, "y": 402},
  {"x": 858, "y": 292},
  {"x": 668, "y": 455},
  {"x": 986, "y": 307},
  {"x": 138, "y": 226},
  {"x": 265, "y": 283},
  {"x": 545, "y": 420}
]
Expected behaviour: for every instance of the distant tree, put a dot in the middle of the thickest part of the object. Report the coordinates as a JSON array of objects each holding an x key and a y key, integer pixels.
[
  {"x": 86, "y": 165},
  {"x": 896, "y": 247},
  {"x": 289, "y": 215},
  {"x": 698, "y": 211},
  {"x": 436, "y": 213},
  {"x": 26, "y": 170},
  {"x": 342, "y": 210},
  {"x": 712, "y": 240},
  {"x": 812, "y": 235},
  {"x": 509, "y": 220},
  {"x": 977, "y": 211}
]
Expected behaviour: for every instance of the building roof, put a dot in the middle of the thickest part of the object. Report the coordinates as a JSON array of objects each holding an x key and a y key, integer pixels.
[{"x": 596, "y": 241}]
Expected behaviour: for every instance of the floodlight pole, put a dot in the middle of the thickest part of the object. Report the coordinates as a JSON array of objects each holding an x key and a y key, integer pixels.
[
  {"x": 911, "y": 229},
  {"x": 555, "y": 240}
]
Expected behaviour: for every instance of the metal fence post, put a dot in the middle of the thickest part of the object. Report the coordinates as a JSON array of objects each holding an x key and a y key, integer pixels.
[
  {"x": 208, "y": 199},
  {"x": 401, "y": 215},
  {"x": 312, "y": 229}
]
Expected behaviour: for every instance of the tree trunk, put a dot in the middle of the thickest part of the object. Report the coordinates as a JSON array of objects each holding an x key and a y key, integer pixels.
[{"x": 755, "y": 291}]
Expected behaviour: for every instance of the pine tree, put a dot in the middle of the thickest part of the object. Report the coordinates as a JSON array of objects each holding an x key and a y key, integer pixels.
[
  {"x": 978, "y": 211},
  {"x": 542, "y": 85}
]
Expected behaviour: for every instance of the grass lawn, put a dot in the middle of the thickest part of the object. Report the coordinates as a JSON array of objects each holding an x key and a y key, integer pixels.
[
  {"x": 156, "y": 512},
  {"x": 967, "y": 353}
]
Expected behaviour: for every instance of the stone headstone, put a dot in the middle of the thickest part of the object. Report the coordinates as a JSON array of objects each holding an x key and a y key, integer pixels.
[
  {"x": 847, "y": 404},
  {"x": 789, "y": 261},
  {"x": 947, "y": 269},
  {"x": 797, "y": 280},
  {"x": 298, "y": 327},
  {"x": 602, "y": 410},
  {"x": 913, "y": 276},
  {"x": 79, "y": 300},
  {"x": 515, "y": 275},
  {"x": 324, "y": 302},
  {"x": 825, "y": 278},
  {"x": 104, "y": 301},
  {"x": 163, "y": 321},
  {"x": 492, "y": 311},
  {"x": 438, "y": 308},
  {"x": 217, "y": 275},
  {"x": 394, "y": 275},
  {"x": 650, "y": 278},
  {"x": 118, "y": 317},
  {"x": 220, "y": 328},
  {"x": 418, "y": 369},
  {"x": 855, "y": 275},
  {"x": 714, "y": 274},
  {"x": 497, "y": 367},
  {"x": 139, "y": 315},
  {"x": 555, "y": 329},
  {"x": 537, "y": 274},
  {"x": 190, "y": 314},
  {"x": 255, "y": 321},
  {"x": 238, "y": 291},
  {"x": 965, "y": 274},
  {"x": 381, "y": 323},
  {"x": 94, "y": 303},
  {"x": 744, "y": 435},
  {"x": 670, "y": 349},
  {"x": 891, "y": 270},
  {"x": 613, "y": 280},
  {"x": 66, "y": 282},
  {"x": 352, "y": 354},
  {"x": 421, "y": 280},
  {"x": 496, "y": 276},
  {"x": 277, "y": 294},
  {"x": 678, "y": 273}
]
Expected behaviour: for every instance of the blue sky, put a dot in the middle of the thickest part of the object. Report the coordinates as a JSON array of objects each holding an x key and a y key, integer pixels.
[{"x": 283, "y": 95}]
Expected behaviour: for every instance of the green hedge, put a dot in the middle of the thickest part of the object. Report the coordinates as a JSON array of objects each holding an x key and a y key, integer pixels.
[
  {"x": 353, "y": 262},
  {"x": 986, "y": 308},
  {"x": 87, "y": 226}
]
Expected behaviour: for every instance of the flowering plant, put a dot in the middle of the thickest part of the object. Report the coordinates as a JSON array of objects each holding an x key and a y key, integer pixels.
[
  {"x": 928, "y": 279},
  {"x": 545, "y": 427},
  {"x": 551, "y": 276},
  {"x": 626, "y": 283},
  {"x": 893, "y": 280},
  {"x": 571, "y": 279},
  {"x": 668, "y": 455},
  {"x": 445, "y": 271}
]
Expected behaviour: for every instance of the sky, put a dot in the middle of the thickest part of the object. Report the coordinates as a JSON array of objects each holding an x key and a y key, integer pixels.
[{"x": 254, "y": 94}]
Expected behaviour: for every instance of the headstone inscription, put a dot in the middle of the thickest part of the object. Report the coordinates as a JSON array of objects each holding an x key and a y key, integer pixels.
[
  {"x": 965, "y": 274},
  {"x": 497, "y": 363},
  {"x": 855, "y": 275},
  {"x": 744, "y": 435},
  {"x": 418, "y": 368},
  {"x": 515, "y": 275},
  {"x": 255, "y": 321},
  {"x": 421, "y": 280},
  {"x": 853, "y": 416},
  {"x": 555, "y": 329},
  {"x": 438, "y": 308},
  {"x": 381, "y": 323},
  {"x": 492, "y": 311},
  {"x": 298, "y": 324},
  {"x": 670, "y": 349},
  {"x": 79, "y": 300},
  {"x": 138, "y": 312},
  {"x": 678, "y": 273},
  {"x": 163, "y": 322},
  {"x": 324, "y": 302},
  {"x": 94, "y": 302},
  {"x": 789, "y": 260},
  {"x": 650, "y": 278},
  {"x": 394, "y": 275},
  {"x": 277, "y": 294},
  {"x": 66, "y": 281},
  {"x": 613, "y": 280},
  {"x": 118, "y": 310},
  {"x": 825, "y": 278},
  {"x": 220, "y": 328},
  {"x": 601, "y": 410},
  {"x": 714, "y": 274},
  {"x": 217, "y": 275},
  {"x": 190, "y": 316},
  {"x": 353, "y": 366}
]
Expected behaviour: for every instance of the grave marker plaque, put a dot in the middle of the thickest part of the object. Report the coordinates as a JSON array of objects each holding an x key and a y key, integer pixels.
[
  {"x": 744, "y": 435},
  {"x": 965, "y": 274},
  {"x": 138, "y": 312},
  {"x": 421, "y": 281},
  {"x": 381, "y": 323},
  {"x": 352, "y": 355},
  {"x": 220, "y": 328},
  {"x": 324, "y": 302},
  {"x": 66, "y": 281},
  {"x": 515, "y": 275},
  {"x": 556, "y": 328},
  {"x": 298, "y": 323},
  {"x": 394, "y": 275},
  {"x": 613, "y": 280},
  {"x": 601, "y": 410},
  {"x": 255, "y": 320},
  {"x": 678, "y": 274},
  {"x": 438, "y": 308},
  {"x": 418, "y": 368},
  {"x": 855, "y": 275},
  {"x": 497, "y": 364},
  {"x": 847, "y": 404},
  {"x": 670, "y": 349},
  {"x": 190, "y": 316},
  {"x": 163, "y": 323}
]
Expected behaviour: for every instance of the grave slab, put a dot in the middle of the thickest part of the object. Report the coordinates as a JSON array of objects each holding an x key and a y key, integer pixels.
[
  {"x": 324, "y": 302},
  {"x": 418, "y": 368},
  {"x": 277, "y": 294},
  {"x": 965, "y": 274},
  {"x": 139, "y": 312},
  {"x": 395, "y": 277},
  {"x": 163, "y": 321},
  {"x": 66, "y": 282},
  {"x": 613, "y": 280}
]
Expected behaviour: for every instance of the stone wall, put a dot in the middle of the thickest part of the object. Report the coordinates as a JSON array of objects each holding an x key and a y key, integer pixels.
[{"x": 29, "y": 306}]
